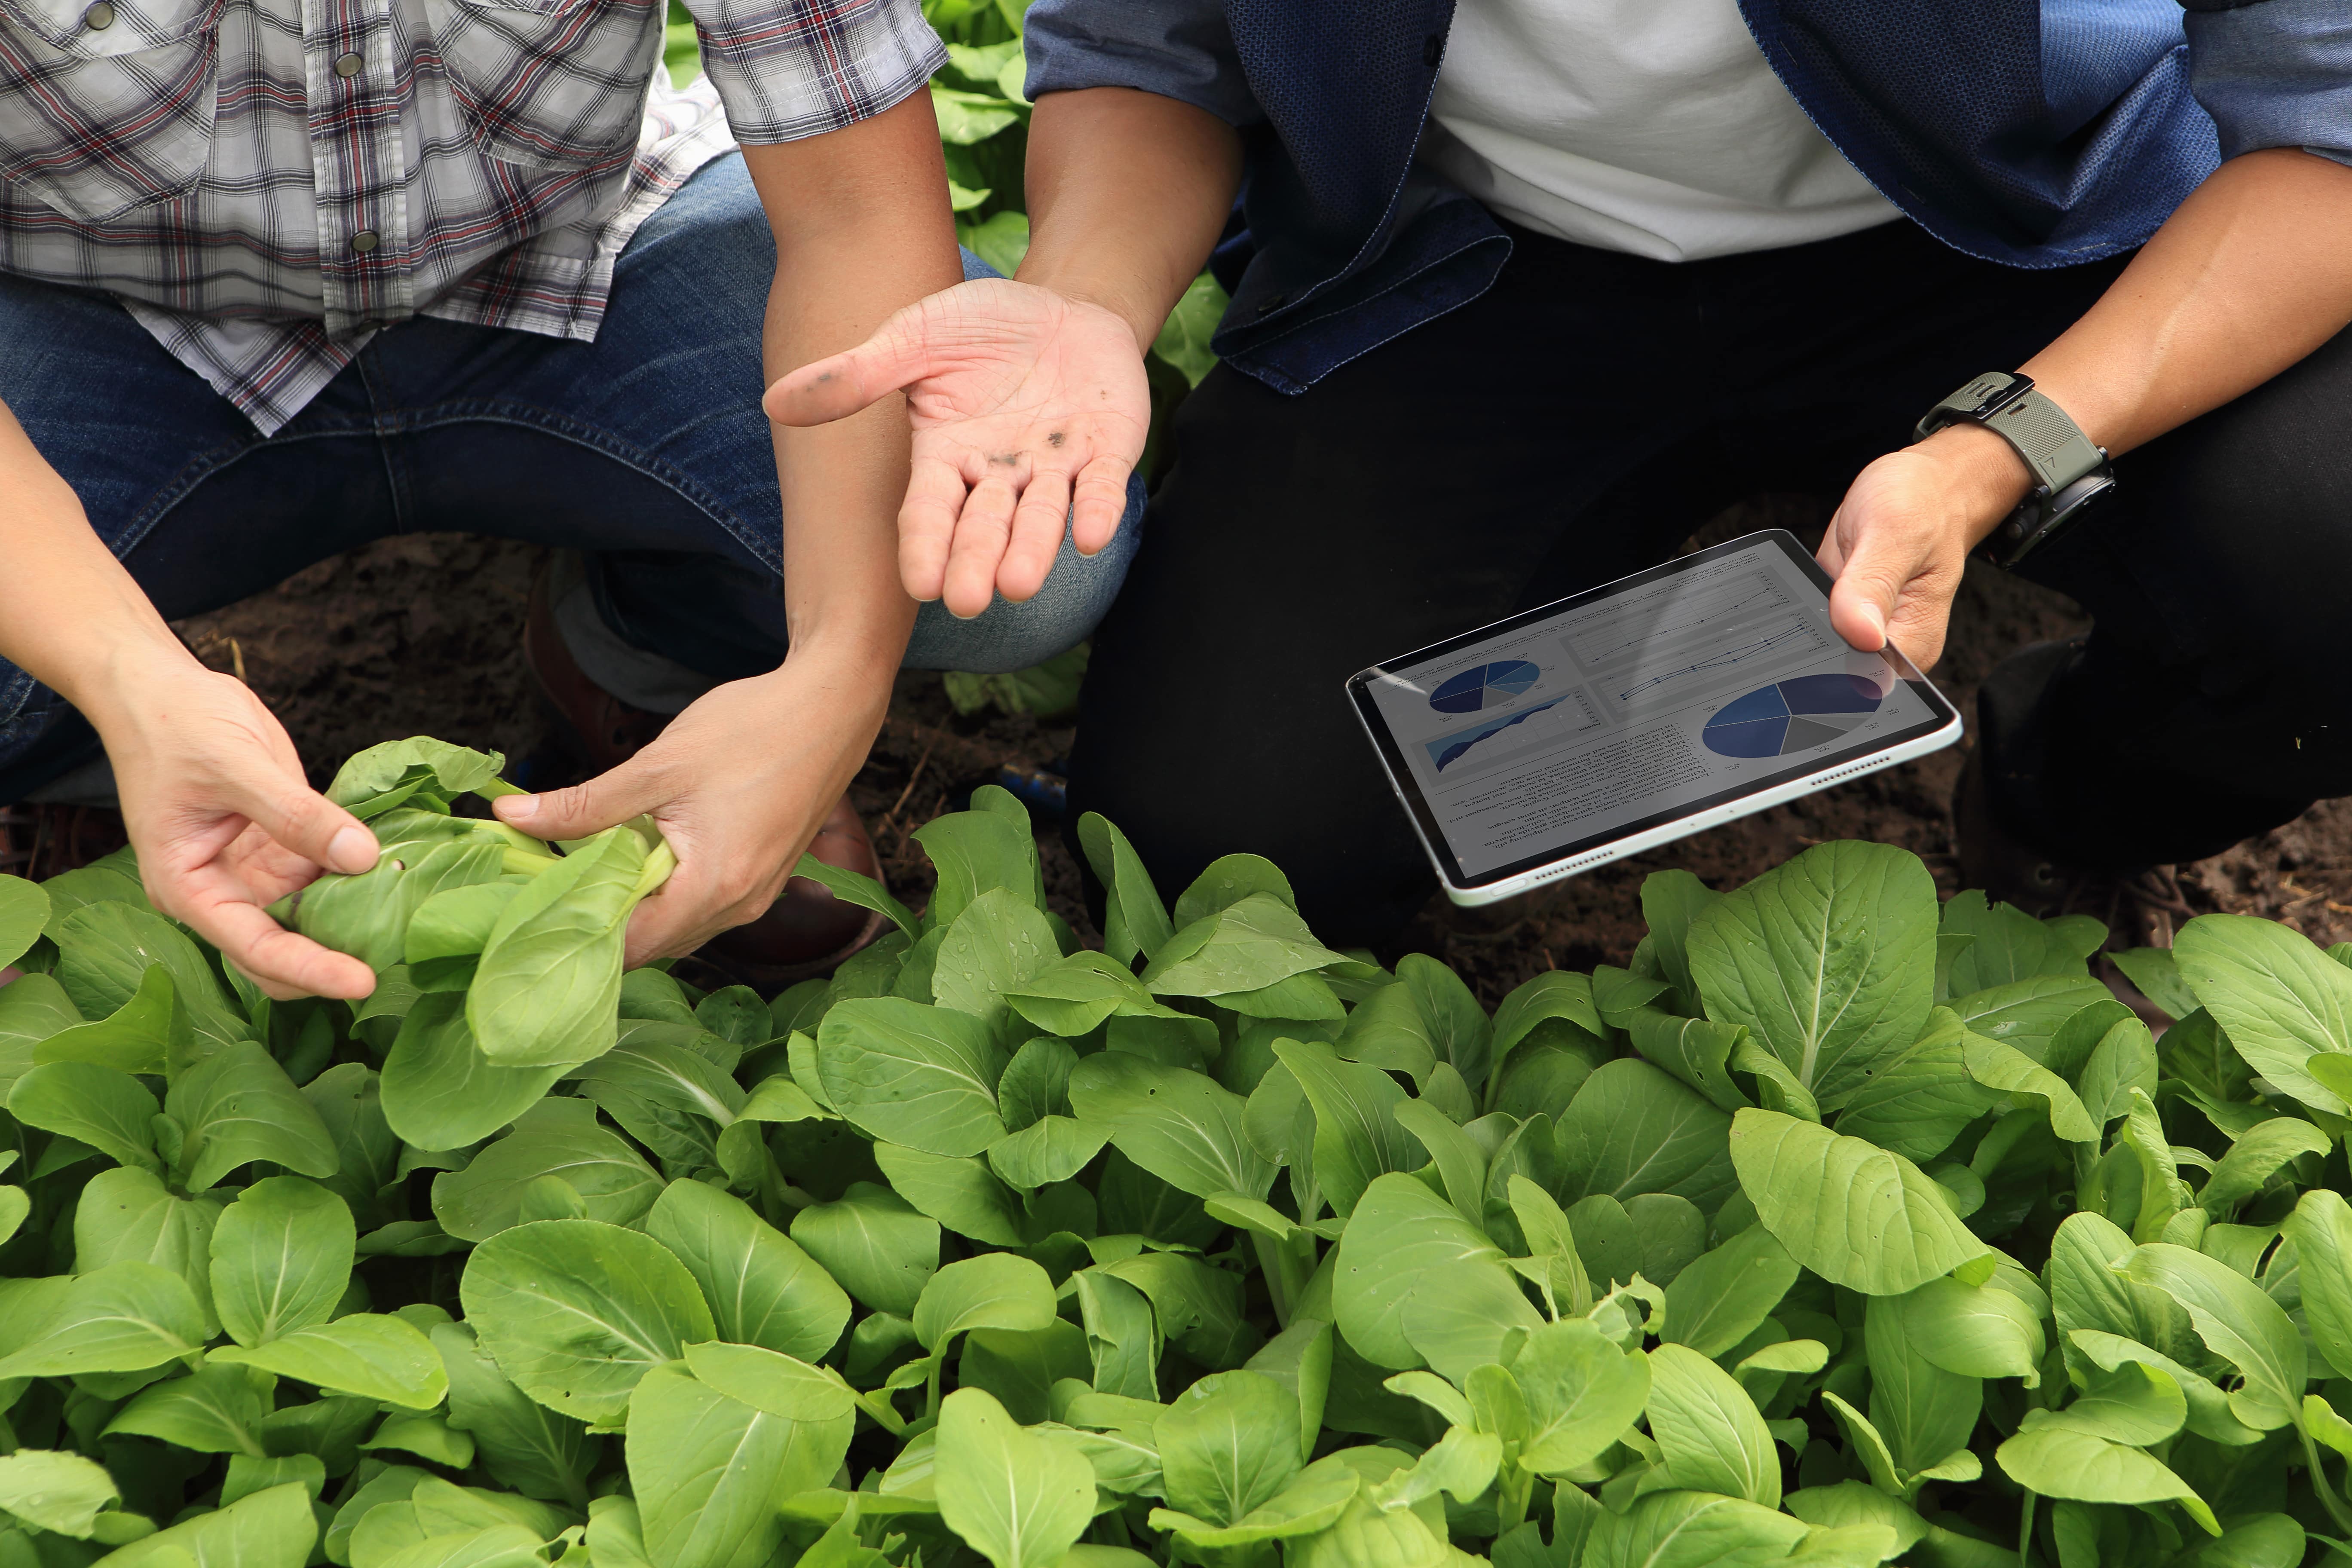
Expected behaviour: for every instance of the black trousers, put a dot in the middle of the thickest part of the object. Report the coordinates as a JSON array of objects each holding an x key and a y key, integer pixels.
[{"x": 1576, "y": 423}]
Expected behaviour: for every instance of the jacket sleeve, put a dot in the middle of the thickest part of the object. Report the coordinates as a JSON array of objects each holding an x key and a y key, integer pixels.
[
  {"x": 2274, "y": 73},
  {"x": 1178, "y": 48}
]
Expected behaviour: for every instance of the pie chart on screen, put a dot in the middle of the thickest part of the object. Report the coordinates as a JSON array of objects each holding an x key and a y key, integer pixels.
[
  {"x": 1792, "y": 716},
  {"x": 1485, "y": 686}
]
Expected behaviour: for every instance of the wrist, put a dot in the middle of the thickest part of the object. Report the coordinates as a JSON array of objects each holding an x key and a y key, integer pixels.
[
  {"x": 1981, "y": 474},
  {"x": 119, "y": 689},
  {"x": 1142, "y": 315}
]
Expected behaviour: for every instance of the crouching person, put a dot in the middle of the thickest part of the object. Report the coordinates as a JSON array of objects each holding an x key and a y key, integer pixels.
[{"x": 277, "y": 279}]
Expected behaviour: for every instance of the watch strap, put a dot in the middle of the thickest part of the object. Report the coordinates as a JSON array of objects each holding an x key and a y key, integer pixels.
[{"x": 2007, "y": 403}]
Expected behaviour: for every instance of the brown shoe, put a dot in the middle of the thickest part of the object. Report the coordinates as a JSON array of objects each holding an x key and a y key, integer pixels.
[
  {"x": 2140, "y": 907},
  {"x": 806, "y": 931}
]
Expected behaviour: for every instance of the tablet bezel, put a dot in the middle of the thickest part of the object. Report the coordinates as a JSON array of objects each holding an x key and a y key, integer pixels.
[{"x": 1943, "y": 717}]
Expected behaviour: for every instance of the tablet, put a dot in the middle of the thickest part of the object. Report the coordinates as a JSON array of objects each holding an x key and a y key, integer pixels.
[{"x": 1635, "y": 713}]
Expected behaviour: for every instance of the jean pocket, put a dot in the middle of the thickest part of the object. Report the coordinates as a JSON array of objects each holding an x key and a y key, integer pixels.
[
  {"x": 550, "y": 84},
  {"x": 107, "y": 105}
]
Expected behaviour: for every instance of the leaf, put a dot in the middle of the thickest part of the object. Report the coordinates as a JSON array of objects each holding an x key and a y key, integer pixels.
[
  {"x": 238, "y": 1106},
  {"x": 762, "y": 1288},
  {"x": 442, "y": 769},
  {"x": 964, "y": 1196},
  {"x": 281, "y": 1257},
  {"x": 558, "y": 1138},
  {"x": 1245, "y": 947},
  {"x": 1975, "y": 1330},
  {"x": 219, "y": 1408},
  {"x": 148, "y": 1034},
  {"x": 2057, "y": 1461},
  {"x": 998, "y": 943},
  {"x": 105, "y": 950},
  {"x": 1581, "y": 1393},
  {"x": 549, "y": 985},
  {"x": 61, "y": 1492},
  {"x": 2253, "y": 1159},
  {"x": 371, "y": 915},
  {"x": 905, "y": 1073},
  {"x": 274, "y": 1528},
  {"x": 993, "y": 1291},
  {"x": 1926, "y": 1412},
  {"x": 1691, "y": 1529},
  {"x": 522, "y": 1442},
  {"x": 1713, "y": 1305},
  {"x": 371, "y": 1355},
  {"x": 1828, "y": 959},
  {"x": 975, "y": 852},
  {"x": 2276, "y": 995},
  {"x": 2321, "y": 1231},
  {"x": 125, "y": 1317},
  {"x": 711, "y": 1448},
  {"x": 1020, "y": 1499},
  {"x": 1399, "y": 1232},
  {"x": 440, "y": 1091},
  {"x": 2154, "y": 973},
  {"x": 1229, "y": 1445},
  {"x": 1855, "y": 1214},
  {"x": 874, "y": 1244},
  {"x": 575, "y": 1311},
  {"x": 1710, "y": 1433},
  {"x": 1135, "y": 922},
  {"x": 1633, "y": 1130},
  {"x": 2007, "y": 1070},
  {"x": 1184, "y": 339},
  {"x": 1181, "y": 1126},
  {"x": 1356, "y": 1137},
  {"x": 1696, "y": 1050},
  {"x": 2123, "y": 1060},
  {"x": 2239, "y": 1322},
  {"x": 24, "y": 911},
  {"x": 852, "y": 888},
  {"x": 101, "y": 1106}
]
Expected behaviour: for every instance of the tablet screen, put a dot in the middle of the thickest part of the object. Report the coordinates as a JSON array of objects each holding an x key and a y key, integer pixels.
[{"x": 1678, "y": 689}]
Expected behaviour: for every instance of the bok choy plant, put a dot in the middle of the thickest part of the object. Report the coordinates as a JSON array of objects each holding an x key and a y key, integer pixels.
[{"x": 1841, "y": 1228}]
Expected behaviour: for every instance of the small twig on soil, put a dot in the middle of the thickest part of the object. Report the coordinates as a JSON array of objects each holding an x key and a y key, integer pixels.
[
  {"x": 237, "y": 662},
  {"x": 890, "y": 817}
]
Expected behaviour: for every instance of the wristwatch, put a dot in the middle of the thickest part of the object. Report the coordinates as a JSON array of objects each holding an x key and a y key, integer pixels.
[{"x": 2072, "y": 478}]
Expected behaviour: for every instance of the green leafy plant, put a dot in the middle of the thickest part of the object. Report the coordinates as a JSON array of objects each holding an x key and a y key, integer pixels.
[{"x": 1841, "y": 1228}]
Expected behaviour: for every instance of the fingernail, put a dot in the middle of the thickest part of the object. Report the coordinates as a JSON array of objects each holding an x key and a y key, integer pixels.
[
  {"x": 351, "y": 850},
  {"x": 513, "y": 805}
]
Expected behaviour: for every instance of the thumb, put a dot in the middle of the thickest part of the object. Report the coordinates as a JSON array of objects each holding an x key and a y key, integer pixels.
[
  {"x": 898, "y": 354},
  {"x": 304, "y": 821},
  {"x": 581, "y": 809},
  {"x": 1868, "y": 587}
]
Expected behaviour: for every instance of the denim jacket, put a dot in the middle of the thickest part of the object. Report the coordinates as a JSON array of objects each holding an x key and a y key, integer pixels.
[{"x": 2032, "y": 132}]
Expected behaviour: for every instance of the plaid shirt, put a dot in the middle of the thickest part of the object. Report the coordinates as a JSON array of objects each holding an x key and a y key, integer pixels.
[{"x": 264, "y": 183}]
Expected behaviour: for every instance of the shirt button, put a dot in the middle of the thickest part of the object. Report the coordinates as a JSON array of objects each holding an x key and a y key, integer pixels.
[
  {"x": 365, "y": 241},
  {"x": 349, "y": 65},
  {"x": 99, "y": 17}
]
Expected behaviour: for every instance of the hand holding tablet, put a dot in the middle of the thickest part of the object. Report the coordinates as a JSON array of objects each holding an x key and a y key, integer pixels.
[{"x": 1636, "y": 713}]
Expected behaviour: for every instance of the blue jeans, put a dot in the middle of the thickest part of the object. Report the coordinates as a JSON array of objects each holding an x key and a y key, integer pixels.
[{"x": 645, "y": 450}]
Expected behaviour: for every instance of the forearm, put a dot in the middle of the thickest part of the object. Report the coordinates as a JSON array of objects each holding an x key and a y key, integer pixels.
[
  {"x": 862, "y": 229},
  {"x": 70, "y": 615},
  {"x": 2251, "y": 274},
  {"x": 1128, "y": 193}
]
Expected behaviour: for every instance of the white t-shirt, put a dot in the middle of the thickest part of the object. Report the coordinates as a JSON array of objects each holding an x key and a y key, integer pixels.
[{"x": 1655, "y": 127}]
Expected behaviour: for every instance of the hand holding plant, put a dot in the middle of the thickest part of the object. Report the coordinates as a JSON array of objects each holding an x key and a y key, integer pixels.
[
  {"x": 737, "y": 785},
  {"x": 1029, "y": 408},
  {"x": 223, "y": 822}
]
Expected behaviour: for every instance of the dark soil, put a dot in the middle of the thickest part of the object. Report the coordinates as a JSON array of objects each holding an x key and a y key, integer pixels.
[{"x": 421, "y": 635}]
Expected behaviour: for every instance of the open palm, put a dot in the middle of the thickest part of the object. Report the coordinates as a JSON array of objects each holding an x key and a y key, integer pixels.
[{"x": 1029, "y": 408}]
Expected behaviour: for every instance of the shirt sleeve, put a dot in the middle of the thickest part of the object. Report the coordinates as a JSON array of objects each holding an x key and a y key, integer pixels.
[
  {"x": 1177, "y": 49},
  {"x": 2274, "y": 73},
  {"x": 790, "y": 68}
]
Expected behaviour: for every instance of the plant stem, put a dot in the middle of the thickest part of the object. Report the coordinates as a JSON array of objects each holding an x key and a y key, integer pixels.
[
  {"x": 2025, "y": 1532},
  {"x": 2319, "y": 1482}
]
